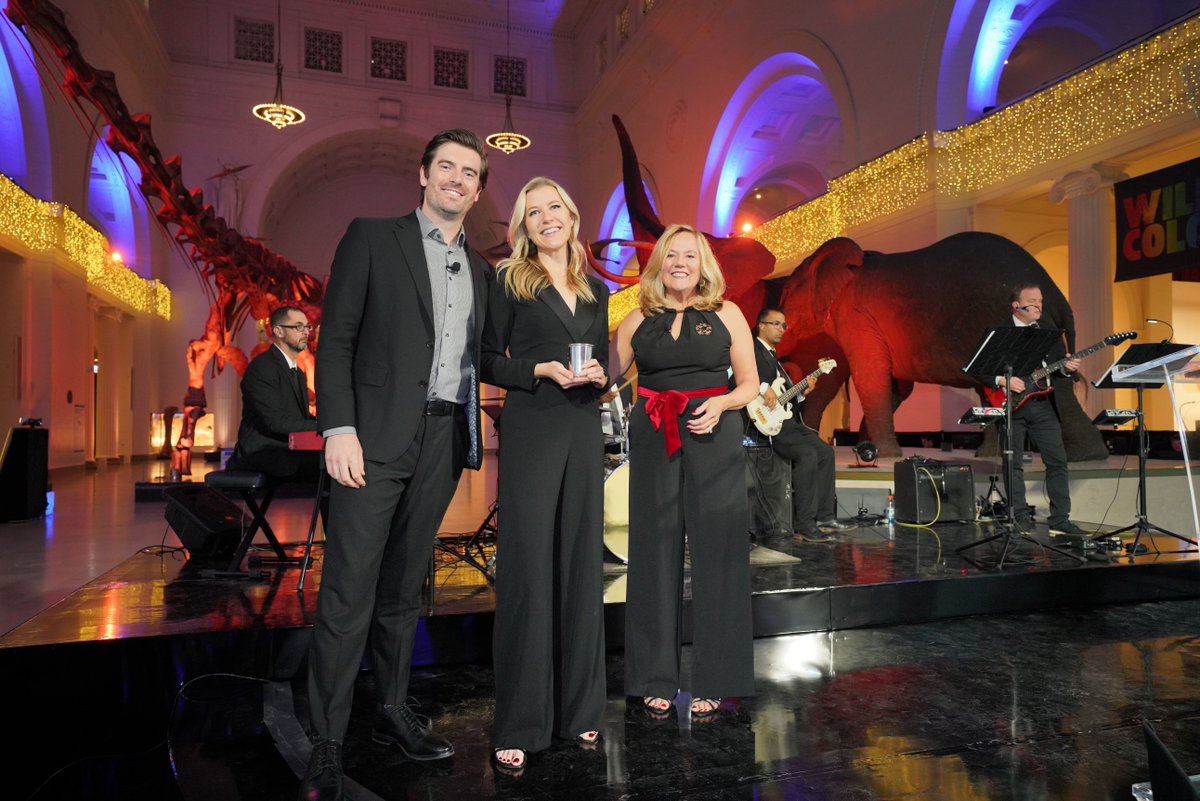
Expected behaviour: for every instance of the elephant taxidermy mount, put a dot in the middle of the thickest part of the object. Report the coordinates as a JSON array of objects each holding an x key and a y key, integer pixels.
[
  {"x": 903, "y": 318},
  {"x": 890, "y": 320}
]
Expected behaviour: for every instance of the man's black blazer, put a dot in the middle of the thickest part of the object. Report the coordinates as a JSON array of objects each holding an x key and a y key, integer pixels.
[
  {"x": 767, "y": 363},
  {"x": 272, "y": 408},
  {"x": 376, "y": 346},
  {"x": 1059, "y": 350}
]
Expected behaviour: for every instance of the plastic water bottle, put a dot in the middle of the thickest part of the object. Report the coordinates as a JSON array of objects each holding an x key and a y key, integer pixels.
[{"x": 889, "y": 514}]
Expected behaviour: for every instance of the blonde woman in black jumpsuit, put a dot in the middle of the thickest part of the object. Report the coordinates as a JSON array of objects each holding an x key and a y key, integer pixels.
[
  {"x": 549, "y": 634},
  {"x": 687, "y": 477}
]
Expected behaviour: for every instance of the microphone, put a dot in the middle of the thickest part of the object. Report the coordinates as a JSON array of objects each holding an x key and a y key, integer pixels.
[
  {"x": 454, "y": 267},
  {"x": 1163, "y": 322}
]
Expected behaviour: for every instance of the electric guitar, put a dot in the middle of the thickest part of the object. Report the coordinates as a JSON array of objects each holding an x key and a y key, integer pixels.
[
  {"x": 770, "y": 421},
  {"x": 1033, "y": 383}
]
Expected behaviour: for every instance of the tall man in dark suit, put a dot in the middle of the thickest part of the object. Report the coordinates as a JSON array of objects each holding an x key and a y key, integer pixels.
[
  {"x": 814, "y": 504},
  {"x": 1039, "y": 419},
  {"x": 275, "y": 404},
  {"x": 398, "y": 402}
]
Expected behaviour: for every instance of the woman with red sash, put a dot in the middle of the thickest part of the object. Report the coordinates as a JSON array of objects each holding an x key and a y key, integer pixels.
[{"x": 687, "y": 475}]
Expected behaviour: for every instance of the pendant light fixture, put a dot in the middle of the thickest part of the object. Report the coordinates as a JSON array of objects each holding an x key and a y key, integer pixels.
[
  {"x": 507, "y": 140},
  {"x": 277, "y": 112}
]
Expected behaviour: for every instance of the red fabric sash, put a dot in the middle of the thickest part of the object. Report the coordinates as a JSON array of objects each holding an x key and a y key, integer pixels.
[{"x": 670, "y": 404}]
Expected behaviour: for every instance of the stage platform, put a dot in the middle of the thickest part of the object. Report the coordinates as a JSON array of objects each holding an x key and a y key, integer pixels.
[
  {"x": 871, "y": 576},
  {"x": 888, "y": 666}
]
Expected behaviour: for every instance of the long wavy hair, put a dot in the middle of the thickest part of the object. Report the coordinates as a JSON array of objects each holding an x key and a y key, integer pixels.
[
  {"x": 711, "y": 289},
  {"x": 523, "y": 275}
]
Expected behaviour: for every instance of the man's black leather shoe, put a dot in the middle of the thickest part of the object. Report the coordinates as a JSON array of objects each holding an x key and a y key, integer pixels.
[
  {"x": 398, "y": 726},
  {"x": 812, "y": 536},
  {"x": 833, "y": 525},
  {"x": 323, "y": 779}
]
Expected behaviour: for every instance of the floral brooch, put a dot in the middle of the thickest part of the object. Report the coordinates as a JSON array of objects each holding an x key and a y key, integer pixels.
[{"x": 703, "y": 329}]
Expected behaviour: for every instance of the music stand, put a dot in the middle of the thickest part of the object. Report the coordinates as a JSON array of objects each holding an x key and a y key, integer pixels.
[
  {"x": 1147, "y": 367},
  {"x": 1009, "y": 351}
]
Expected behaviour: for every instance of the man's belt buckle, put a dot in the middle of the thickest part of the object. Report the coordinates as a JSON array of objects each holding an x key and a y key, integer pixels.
[{"x": 438, "y": 408}]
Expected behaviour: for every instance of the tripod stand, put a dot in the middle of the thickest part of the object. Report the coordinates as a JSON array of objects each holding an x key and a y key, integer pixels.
[
  {"x": 470, "y": 549},
  {"x": 1136, "y": 355},
  {"x": 1009, "y": 351},
  {"x": 471, "y": 552}
]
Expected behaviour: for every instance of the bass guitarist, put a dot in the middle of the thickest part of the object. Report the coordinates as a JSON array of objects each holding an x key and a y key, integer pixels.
[
  {"x": 1038, "y": 417},
  {"x": 814, "y": 505}
]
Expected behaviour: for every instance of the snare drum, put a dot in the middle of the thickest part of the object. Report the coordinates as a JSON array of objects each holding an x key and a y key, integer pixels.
[{"x": 616, "y": 512}]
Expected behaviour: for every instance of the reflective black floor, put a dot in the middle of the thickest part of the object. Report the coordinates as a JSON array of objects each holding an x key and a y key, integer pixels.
[
  {"x": 1036, "y": 705},
  {"x": 1022, "y": 707}
]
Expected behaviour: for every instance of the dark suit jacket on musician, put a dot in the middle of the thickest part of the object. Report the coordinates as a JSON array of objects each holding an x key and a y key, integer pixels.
[
  {"x": 1059, "y": 351},
  {"x": 767, "y": 364},
  {"x": 376, "y": 345},
  {"x": 272, "y": 408}
]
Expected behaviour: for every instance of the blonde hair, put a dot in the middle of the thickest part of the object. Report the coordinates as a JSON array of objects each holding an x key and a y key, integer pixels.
[
  {"x": 523, "y": 275},
  {"x": 711, "y": 289}
]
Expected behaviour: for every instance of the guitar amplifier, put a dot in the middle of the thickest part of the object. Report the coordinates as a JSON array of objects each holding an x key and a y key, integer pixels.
[{"x": 922, "y": 483}]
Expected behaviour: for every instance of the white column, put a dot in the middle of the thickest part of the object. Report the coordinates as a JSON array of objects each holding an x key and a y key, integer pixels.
[{"x": 1091, "y": 262}]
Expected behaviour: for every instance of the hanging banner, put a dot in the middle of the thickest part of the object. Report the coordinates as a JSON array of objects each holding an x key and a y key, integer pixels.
[{"x": 1158, "y": 222}]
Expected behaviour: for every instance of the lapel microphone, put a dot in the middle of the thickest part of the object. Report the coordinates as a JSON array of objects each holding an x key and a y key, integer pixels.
[{"x": 454, "y": 267}]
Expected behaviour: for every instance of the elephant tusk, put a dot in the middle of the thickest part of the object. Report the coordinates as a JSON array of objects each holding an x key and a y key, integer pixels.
[{"x": 626, "y": 280}]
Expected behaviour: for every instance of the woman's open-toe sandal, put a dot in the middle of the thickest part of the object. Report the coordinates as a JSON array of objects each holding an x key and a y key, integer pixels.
[
  {"x": 588, "y": 740},
  {"x": 657, "y": 708},
  {"x": 512, "y": 763},
  {"x": 705, "y": 707}
]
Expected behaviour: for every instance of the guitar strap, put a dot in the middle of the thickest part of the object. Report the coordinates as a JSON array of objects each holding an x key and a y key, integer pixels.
[{"x": 779, "y": 371}]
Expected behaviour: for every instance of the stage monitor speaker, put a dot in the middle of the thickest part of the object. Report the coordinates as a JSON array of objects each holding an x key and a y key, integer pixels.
[
  {"x": 922, "y": 483},
  {"x": 208, "y": 524},
  {"x": 24, "y": 474}
]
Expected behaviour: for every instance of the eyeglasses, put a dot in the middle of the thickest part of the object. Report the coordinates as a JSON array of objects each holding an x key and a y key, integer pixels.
[
  {"x": 298, "y": 327},
  {"x": 780, "y": 325}
]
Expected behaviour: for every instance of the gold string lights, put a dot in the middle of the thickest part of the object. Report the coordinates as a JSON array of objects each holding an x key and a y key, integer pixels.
[
  {"x": 35, "y": 227},
  {"x": 1131, "y": 91}
]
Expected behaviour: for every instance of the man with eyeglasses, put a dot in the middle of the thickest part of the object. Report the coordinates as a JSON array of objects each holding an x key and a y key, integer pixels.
[
  {"x": 814, "y": 504},
  {"x": 1038, "y": 418},
  {"x": 275, "y": 404}
]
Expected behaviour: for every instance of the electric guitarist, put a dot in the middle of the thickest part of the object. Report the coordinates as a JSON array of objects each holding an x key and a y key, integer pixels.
[
  {"x": 814, "y": 505},
  {"x": 1038, "y": 418}
]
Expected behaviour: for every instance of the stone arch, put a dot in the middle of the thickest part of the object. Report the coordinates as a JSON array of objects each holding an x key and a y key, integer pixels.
[
  {"x": 115, "y": 205},
  {"x": 24, "y": 133},
  {"x": 1050, "y": 250},
  {"x": 300, "y": 200},
  {"x": 1057, "y": 36},
  {"x": 793, "y": 108}
]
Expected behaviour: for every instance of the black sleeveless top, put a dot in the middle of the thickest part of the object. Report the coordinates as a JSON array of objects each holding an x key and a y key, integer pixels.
[{"x": 699, "y": 359}]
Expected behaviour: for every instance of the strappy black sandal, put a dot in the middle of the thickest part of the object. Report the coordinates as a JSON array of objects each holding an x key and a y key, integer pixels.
[
  {"x": 653, "y": 711},
  {"x": 513, "y": 769},
  {"x": 714, "y": 706}
]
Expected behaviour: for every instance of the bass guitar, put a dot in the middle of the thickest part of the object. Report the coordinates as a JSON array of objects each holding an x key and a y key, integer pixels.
[
  {"x": 770, "y": 420},
  {"x": 1037, "y": 383}
]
